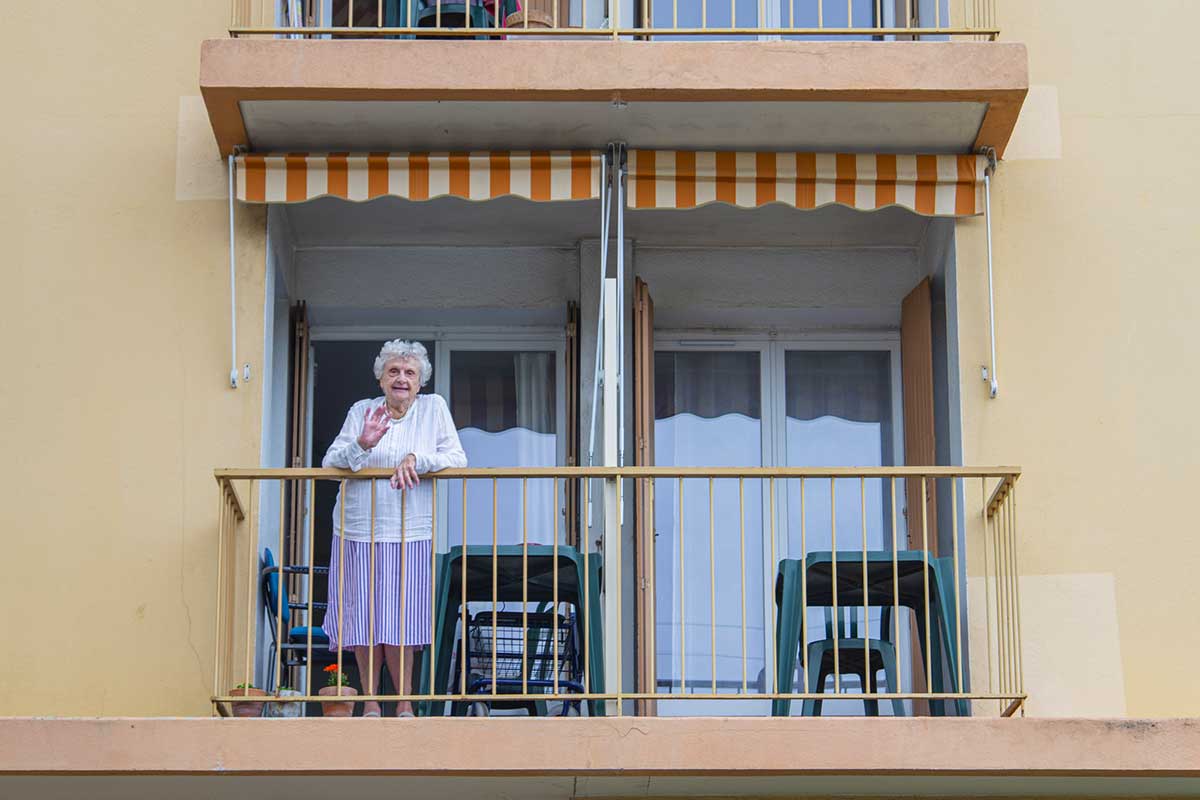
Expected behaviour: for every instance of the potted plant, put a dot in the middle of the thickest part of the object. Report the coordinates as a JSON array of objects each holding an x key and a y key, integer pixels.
[
  {"x": 337, "y": 684},
  {"x": 285, "y": 708},
  {"x": 247, "y": 708}
]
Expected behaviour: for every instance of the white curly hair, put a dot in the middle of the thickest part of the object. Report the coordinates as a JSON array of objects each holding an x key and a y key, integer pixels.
[{"x": 408, "y": 351}]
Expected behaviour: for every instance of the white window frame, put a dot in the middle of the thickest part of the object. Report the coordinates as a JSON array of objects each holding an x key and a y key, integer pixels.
[{"x": 448, "y": 340}]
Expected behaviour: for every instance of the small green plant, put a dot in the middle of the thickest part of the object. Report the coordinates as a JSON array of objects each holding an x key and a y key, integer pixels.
[
  {"x": 245, "y": 686},
  {"x": 336, "y": 677},
  {"x": 283, "y": 687}
]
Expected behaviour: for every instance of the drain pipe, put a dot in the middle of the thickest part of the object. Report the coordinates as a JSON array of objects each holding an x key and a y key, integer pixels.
[
  {"x": 990, "y": 375},
  {"x": 233, "y": 376}
]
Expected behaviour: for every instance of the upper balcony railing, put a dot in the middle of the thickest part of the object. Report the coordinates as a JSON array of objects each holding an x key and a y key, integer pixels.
[
  {"x": 734, "y": 590},
  {"x": 797, "y": 20}
]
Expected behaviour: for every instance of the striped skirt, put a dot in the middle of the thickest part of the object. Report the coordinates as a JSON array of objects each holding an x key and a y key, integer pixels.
[{"x": 398, "y": 620}]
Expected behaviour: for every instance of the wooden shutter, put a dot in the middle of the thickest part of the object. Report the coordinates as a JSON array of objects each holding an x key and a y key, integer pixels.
[
  {"x": 916, "y": 375},
  {"x": 298, "y": 427},
  {"x": 643, "y": 455},
  {"x": 916, "y": 367},
  {"x": 571, "y": 487}
]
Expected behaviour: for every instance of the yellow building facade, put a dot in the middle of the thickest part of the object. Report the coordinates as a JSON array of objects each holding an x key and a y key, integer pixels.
[{"x": 118, "y": 406}]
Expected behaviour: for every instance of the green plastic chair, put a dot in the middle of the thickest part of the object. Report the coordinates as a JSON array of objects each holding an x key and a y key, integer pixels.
[
  {"x": 852, "y": 659},
  {"x": 396, "y": 15},
  {"x": 509, "y": 572},
  {"x": 910, "y": 566}
]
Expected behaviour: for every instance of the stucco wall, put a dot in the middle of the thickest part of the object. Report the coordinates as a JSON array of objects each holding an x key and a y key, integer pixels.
[
  {"x": 115, "y": 404},
  {"x": 1096, "y": 298}
]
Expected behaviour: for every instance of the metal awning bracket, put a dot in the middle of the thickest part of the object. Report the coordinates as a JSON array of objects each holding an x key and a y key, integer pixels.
[{"x": 989, "y": 374}]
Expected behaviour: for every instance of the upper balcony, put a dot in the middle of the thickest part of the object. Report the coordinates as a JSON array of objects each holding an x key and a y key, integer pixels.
[{"x": 885, "y": 76}]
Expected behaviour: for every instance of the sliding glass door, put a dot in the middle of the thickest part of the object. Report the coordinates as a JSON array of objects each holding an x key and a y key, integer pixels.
[{"x": 709, "y": 632}]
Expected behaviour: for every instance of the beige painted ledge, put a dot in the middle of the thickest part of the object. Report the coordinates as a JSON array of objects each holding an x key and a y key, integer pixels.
[
  {"x": 235, "y": 70},
  {"x": 602, "y": 747}
]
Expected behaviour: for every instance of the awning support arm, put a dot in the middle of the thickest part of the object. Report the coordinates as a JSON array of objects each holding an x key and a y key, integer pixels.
[
  {"x": 233, "y": 376},
  {"x": 598, "y": 375},
  {"x": 619, "y": 152},
  {"x": 993, "y": 383}
]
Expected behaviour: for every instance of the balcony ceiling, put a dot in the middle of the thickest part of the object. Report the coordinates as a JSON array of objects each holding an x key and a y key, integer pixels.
[{"x": 314, "y": 95}]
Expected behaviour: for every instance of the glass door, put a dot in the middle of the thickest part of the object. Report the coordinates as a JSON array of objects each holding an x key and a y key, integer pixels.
[
  {"x": 507, "y": 402},
  {"x": 709, "y": 629},
  {"x": 840, "y": 409}
]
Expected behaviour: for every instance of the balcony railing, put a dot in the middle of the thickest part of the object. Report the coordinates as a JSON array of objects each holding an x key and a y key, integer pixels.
[
  {"x": 752, "y": 587},
  {"x": 879, "y": 20}
]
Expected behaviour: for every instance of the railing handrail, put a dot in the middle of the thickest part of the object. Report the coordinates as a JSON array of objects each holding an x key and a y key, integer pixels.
[{"x": 1008, "y": 473}]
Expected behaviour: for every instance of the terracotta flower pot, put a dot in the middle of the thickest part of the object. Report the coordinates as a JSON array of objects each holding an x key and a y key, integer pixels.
[
  {"x": 247, "y": 708},
  {"x": 341, "y": 708}
]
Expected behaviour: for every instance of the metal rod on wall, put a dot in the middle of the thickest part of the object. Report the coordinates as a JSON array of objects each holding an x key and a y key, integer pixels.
[
  {"x": 994, "y": 384},
  {"x": 233, "y": 381}
]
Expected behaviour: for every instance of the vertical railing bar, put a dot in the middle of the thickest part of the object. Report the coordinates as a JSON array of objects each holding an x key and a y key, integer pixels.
[
  {"x": 791, "y": 13},
  {"x": 308, "y": 619},
  {"x": 895, "y": 583},
  {"x": 1017, "y": 593},
  {"x": 222, "y": 525},
  {"x": 862, "y": 496},
  {"x": 620, "y": 591},
  {"x": 379, "y": 14},
  {"x": 908, "y": 14},
  {"x": 1002, "y": 539},
  {"x": 1012, "y": 582},
  {"x": 1001, "y": 652},
  {"x": 438, "y": 24},
  {"x": 958, "y": 687},
  {"x": 925, "y": 579},
  {"x": 433, "y": 528},
  {"x": 652, "y": 591},
  {"x": 370, "y": 682},
  {"x": 403, "y": 591},
  {"x": 987, "y": 581},
  {"x": 1002, "y": 566},
  {"x": 525, "y": 584},
  {"x": 742, "y": 519},
  {"x": 878, "y": 13},
  {"x": 280, "y": 633},
  {"x": 849, "y": 13},
  {"x": 703, "y": 20},
  {"x": 252, "y": 563},
  {"x": 585, "y": 545},
  {"x": 821, "y": 24},
  {"x": 712, "y": 586},
  {"x": 682, "y": 602},
  {"x": 464, "y": 644},
  {"x": 937, "y": 13},
  {"x": 803, "y": 589},
  {"x": 495, "y": 579},
  {"x": 341, "y": 609},
  {"x": 733, "y": 14},
  {"x": 554, "y": 511},
  {"x": 837, "y": 618},
  {"x": 774, "y": 687},
  {"x": 350, "y": 23},
  {"x": 674, "y": 13},
  {"x": 615, "y": 10}
]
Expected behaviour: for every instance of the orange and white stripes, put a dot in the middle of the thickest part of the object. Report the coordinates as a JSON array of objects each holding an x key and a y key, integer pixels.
[
  {"x": 932, "y": 185},
  {"x": 546, "y": 175}
]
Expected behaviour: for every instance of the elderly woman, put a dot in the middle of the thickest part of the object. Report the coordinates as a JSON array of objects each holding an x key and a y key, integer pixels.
[{"x": 411, "y": 434}]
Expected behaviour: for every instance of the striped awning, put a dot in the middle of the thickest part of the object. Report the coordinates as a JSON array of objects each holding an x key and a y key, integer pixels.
[
  {"x": 548, "y": 175},
  {"x": 931, "y": 185}
]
